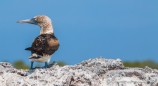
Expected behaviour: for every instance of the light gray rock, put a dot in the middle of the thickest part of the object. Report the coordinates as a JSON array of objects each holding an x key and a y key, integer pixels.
[{"x": 92, "y": 72}]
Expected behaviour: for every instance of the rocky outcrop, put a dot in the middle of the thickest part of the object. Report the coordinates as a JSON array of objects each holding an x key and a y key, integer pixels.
[{"x": 92, "y": 72}]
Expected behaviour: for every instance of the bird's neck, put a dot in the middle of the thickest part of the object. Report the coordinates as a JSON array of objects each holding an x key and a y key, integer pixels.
[{"x": 47, "y": 30}]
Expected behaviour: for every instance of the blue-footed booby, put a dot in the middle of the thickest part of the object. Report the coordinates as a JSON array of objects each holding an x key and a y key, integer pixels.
[{"x": 45, "y": 44}]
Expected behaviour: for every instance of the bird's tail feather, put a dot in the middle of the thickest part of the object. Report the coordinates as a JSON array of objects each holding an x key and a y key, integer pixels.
[{"x": 29, "y": 48}]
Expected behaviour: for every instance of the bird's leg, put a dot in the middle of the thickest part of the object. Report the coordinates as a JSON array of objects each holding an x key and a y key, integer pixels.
[
  {"x": 46, "y": 65},
  {"x": 31, "y": 68}
]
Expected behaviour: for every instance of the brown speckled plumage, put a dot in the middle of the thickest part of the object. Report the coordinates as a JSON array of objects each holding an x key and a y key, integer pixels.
[{"x": 44, "y": 44}]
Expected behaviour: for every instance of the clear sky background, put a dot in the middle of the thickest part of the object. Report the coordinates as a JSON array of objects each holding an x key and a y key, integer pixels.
[{"x": 125, "y": 29}]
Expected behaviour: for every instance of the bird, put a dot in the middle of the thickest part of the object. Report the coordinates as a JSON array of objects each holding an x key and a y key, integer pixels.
[{"x": 44, "y": 45}]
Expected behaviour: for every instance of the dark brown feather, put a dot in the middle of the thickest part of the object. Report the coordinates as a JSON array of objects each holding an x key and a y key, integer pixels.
[{"x": 44, "y": 44}]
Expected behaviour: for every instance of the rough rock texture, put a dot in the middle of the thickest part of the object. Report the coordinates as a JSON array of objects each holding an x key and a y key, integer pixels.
[{"x": 92, "y": 72}]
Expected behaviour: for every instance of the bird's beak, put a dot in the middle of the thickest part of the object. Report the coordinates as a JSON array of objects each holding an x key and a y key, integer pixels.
[{"x": 31, "y": 21}]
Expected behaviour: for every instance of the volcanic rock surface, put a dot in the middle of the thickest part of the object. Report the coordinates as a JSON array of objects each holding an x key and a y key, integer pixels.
[{"x": 92, "y": 72}]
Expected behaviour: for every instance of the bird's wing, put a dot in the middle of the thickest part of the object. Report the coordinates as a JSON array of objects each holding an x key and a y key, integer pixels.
[
  {"x": 45, "y": 44},
  {"x": 53, "y": 45},
  {"x": 38, "y": 45}
]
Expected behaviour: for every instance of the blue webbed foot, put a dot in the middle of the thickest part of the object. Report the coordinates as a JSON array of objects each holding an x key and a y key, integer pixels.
[
  {"x": 31, "y": 68},
  {"x": 46, "y": 65}
]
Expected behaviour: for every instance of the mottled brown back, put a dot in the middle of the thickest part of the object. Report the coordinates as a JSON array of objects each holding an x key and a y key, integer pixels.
[{"x": 44, "y": 43}]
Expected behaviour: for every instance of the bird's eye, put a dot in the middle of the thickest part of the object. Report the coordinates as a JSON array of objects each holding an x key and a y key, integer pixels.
[{"x": 34, "y": 19}]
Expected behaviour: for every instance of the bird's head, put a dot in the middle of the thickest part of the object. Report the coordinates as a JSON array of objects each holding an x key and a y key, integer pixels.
[{"x": 41, "y": 20}]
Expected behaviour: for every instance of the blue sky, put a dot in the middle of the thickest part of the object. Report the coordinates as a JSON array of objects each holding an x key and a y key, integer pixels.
[{"x": 125, "y": 29}]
